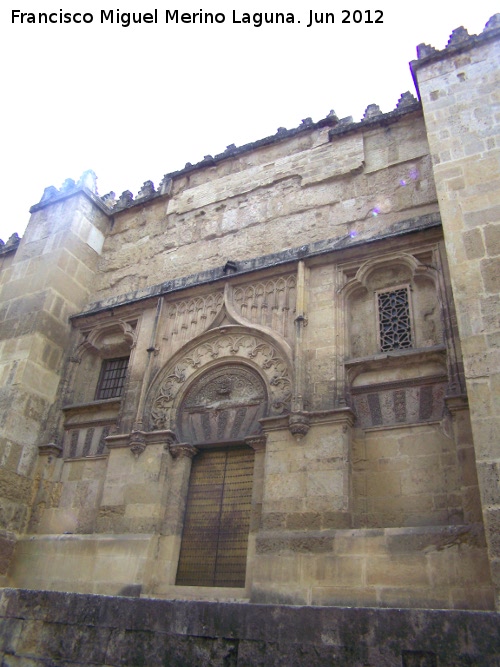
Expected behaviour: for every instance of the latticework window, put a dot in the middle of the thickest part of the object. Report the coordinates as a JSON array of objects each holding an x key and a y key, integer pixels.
[
  {"x": 394, "y": 319},
  {"x": 112, "y": 378}
]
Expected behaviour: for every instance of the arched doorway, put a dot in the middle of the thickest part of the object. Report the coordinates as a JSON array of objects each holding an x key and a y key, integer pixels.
[{"x": 219, "y": 410}]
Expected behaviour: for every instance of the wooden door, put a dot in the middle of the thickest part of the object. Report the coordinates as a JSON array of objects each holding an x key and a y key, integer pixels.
[{"x": 217, "y": 521}]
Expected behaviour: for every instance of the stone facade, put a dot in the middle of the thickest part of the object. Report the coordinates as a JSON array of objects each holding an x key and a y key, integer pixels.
[{"x": 273, "y": 378}]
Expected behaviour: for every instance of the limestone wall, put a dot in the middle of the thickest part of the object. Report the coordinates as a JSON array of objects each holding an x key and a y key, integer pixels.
[
  {"x": 49, "y": 278},
  {"x": 459, "y": 88},
  {"x": 292, "y": 297},
  {"x": 299, "y": 190},
  {"x": 376, "y": 507}
]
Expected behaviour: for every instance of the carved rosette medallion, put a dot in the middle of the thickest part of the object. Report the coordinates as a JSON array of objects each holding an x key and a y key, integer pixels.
[{"x": 227, "y": 345}]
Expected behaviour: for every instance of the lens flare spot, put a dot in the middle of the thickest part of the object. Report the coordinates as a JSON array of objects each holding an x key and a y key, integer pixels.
[
  {"x": 375, "y": 211},
  {"x": 353, "y": 233},
  {"x": 414, "y": 174},
  {"x": 402, "y": 182}
]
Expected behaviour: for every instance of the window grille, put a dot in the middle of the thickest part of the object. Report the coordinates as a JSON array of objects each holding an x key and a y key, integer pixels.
[
  {"x": 394, "y": 319},
  {"x": 112, "y": 378}
]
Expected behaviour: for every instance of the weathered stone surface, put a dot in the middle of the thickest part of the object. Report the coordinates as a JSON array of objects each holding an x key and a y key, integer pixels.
[
  {"x": 57, "y": 628},
  {"x": 295, "y": 296},
  {"x": 465, "y": 147}
]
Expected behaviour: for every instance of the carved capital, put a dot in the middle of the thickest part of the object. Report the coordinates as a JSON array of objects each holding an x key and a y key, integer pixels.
[
  {"x": 225, "y": 343},
  {"x": 137, "y": 443},
  {"x": 137, "y": 449},
  {"x": 298, "y": 425},
  {"x": 256, "y": 442},
  {"x": 182, "y": 449}
]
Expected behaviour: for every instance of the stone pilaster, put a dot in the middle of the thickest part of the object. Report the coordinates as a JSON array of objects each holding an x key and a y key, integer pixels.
[{"x": 164, "y": 564}]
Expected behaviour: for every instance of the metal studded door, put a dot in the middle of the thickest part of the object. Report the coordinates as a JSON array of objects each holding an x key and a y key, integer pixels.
[{"x": 217, "y": 522}]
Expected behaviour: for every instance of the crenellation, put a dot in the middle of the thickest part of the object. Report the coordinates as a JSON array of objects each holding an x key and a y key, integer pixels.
[
  {"x": 492, "y": 23},
  {"x": 307, "y": 326},
  {"x": 372, "y": 111},
  {"x": 147, "y": 190},
  {"x": 406, "y": 99},
  {"x": 425, "y": 50},
  {"x": 458, "y": 36}
]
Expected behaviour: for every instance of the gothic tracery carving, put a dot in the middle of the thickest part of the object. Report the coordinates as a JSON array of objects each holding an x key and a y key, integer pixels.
[
  {"x": 222, "y": 345},
  {"x": 269, "y": 303},
  {"x": 189, "y": 318}
]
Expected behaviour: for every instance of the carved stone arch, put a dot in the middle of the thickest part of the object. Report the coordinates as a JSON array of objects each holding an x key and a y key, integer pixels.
[
  {"x": 112, "y": 338},
  {"x": 226, "y": 345},
  {"x": 221, "y": 403},
  {"x": 404, "y": 276},
  {"x": 225, "y": 317},
  {"x": 368, "y": 268}
]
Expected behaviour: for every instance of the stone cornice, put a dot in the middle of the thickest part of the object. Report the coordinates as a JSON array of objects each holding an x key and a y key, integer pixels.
[{"x": 314, "y": 417}]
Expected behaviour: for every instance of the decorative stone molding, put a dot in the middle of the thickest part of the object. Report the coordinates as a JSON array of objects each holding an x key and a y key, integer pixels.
[
  {"x": 112, "y": 330},
  {"x": 299, "y": 425},
  {"x": 425, "y": 50},
  {"x": 166, "y": 184},
  {"x": 182, "y": 450},
  {"x": 137, "y": 443},
  {"x": 147, "y": 190},
  {"x": 230, "y": 267},
  {"x": 270, "y": 303},
  {"x": 456, "y": 403},
  {"x": 191, "y": 317},
  {"x": 406, "y": 100},
  {"x": 226, "y": 344},
  {"x": 363, "y": 274},
  {"x": 458, "y": 36},
  {"x": 372, "y": 111},
  {"x": 343, "y": 416},
  {"x": 492, "y": 23},
  {"x": 169, "y": 438},
  {"x": 256, "y": 442},
  {"x": 126, "y": 198},
  {"x": 223, "y": 404},
  {"x": 138, "y": 440},
  {"x": 50, "y": 449},
  {"x": 11, "y": 245},
  {"x": 410, "y": 401}
]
